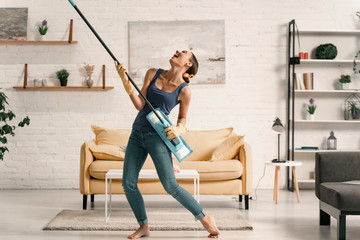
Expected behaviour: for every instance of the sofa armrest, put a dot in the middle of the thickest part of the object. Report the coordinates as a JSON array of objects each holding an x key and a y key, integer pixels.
[
  {"x": 336, "y": 167},
  {"x": 245, "y": 157},
  {"x": 86, "y": 158}
]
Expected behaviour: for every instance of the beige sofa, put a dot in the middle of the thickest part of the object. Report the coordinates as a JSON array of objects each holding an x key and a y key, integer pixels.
[{"x": 231, "y": 176}]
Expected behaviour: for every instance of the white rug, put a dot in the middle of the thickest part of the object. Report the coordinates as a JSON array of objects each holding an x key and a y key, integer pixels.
[{"x": 160, "y": 219}]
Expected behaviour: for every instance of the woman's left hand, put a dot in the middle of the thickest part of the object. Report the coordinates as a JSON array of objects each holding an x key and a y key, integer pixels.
[{"x": 175, "y": 131}]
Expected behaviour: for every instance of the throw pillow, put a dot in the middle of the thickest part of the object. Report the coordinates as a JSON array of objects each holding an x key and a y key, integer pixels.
[
  {"x": 109, "y": 136},
  {"x": 204, "y": 143},
  {"x": 227, "y": 149},
  {"x": 108, "y": 152}
]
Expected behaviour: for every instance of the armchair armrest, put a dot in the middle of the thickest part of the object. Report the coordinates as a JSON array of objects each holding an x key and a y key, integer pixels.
[
  {"x": 86, "y": 158},
  {"x": 336, "y": 167},
  {"x": 245, "y": 157}
]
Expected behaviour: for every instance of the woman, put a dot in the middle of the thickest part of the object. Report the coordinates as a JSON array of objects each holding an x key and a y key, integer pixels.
[{"x": 164, "y": 89}]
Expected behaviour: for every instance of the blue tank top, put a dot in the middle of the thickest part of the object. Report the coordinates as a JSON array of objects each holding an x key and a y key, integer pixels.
[{"x": 166, "y": 101}]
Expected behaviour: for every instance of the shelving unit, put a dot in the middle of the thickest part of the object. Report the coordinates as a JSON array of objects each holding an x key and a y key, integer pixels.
[
  {"x": 26, "y": 87},
  {"x": 69, "y": 41},
  {"x": 320, "y": 93}
]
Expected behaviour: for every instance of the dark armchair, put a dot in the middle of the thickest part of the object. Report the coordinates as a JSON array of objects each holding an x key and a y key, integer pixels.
[{"x": 336, "y": 187}]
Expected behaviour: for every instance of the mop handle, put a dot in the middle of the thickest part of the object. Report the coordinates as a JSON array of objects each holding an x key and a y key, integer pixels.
[{"x": 113, "y": 57}]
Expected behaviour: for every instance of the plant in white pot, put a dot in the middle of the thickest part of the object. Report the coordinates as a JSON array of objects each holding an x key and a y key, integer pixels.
[
  {"x": 43, "y": 29},
  {"x": 345, "y": 81},
  {"x": 311, "y": 109}
]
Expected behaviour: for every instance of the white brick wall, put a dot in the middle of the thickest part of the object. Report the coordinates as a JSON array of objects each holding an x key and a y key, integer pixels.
[{"x": 46, "y": 153}]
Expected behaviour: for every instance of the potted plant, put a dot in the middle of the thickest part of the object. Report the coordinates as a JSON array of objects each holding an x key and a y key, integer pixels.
[
  {"x": 311, "y": 108},
  {"x": 62, "y": 75},
  {"x": 5, "y": 128},
  {"x": 43, "y": 29},
  {"x": 355, "y": 68},
  {"x": 89, "y": 69},
  {"x": 326, "y": 51},
  {"x": 354, "y": 110},
  {"x": 345, "y": 80}
]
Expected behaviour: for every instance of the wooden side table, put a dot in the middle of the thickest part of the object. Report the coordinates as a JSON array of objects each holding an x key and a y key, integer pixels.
[{"x": 291, "y": 164}]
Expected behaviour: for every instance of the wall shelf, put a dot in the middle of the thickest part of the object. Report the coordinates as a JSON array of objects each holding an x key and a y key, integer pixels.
[
  {"x": 325, "y": 150},
  {"x": 26, "y": 87},
  {"x": 327, "y": 121},
  {"x": 329, "y": 31},
  {"x": 327, "y": 61},
  {"x": 328, "y": 91},
  {"x": 62, "y": 88},
  {"x": 69, "y": 41}
]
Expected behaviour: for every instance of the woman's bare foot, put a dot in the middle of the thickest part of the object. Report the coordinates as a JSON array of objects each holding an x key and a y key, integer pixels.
[
  {"x": 143, "y": 231},
  {"x": 209, "y": 224}
]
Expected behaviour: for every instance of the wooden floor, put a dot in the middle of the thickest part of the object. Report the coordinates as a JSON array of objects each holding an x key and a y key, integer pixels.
[{"x": 23, "y": 213}]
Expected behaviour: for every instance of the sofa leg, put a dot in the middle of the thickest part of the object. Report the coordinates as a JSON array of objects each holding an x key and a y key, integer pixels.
[
  {"x": 324, "y": 218},
  {"x": 240, "y": 198},
  {"x": 84, "y": 201},
  {"x": 341, "y": 225},
  {"x": 92, "y": 198},
  {"x": 246, "y": 202}
]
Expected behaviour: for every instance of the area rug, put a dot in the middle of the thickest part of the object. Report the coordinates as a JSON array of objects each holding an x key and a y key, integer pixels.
[{"x": 160, "y": 219}]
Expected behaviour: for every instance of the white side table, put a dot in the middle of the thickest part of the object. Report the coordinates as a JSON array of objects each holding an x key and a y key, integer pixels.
[
  {"x": 291, "y": 164},
  {"x": 149, "y": 174}
]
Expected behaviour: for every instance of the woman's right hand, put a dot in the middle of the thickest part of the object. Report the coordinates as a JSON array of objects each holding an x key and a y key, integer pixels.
[{"x": 122, "y": 73}]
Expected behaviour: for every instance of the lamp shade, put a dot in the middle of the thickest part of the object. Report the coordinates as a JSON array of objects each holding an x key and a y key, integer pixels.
[{"x": 277, "y": 126}]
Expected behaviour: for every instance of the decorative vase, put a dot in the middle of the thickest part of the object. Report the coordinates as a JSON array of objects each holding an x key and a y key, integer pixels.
[
  {"x": 42, "y": 37},
  {"x": 63, "y": 82},
  {"x": 311, "y": 117},
  {"x": 89, "y": 81},
  {"x": 345, "y": 86}
]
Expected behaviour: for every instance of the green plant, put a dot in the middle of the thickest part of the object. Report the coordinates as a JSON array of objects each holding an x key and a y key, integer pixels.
[
  {"x": 326, "y": 51},
  {"x": 355, "y": 111},
  {"x": 311, "y": 107},
  {"x": 62, "y": 74},
  {"x": 6, "y": 128},
  {"x": 43, "y": 27},
  {"x": 345, "y": 78},
  {"x": 354, "y": 62}
]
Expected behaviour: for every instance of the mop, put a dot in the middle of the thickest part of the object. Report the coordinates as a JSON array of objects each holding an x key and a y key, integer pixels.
[{"x": 158, "y": 120}]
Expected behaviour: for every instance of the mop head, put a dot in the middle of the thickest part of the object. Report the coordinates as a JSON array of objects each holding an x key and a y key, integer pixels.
[{"x": 177, "y": 146}]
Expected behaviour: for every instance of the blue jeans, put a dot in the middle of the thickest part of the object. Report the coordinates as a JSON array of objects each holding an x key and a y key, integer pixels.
[{"x": 139, "y": 145}]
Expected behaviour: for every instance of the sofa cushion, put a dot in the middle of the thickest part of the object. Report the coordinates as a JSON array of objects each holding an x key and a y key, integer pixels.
[
  {"x": 343, "y": 196},
  {"x": 228, "y": 149},
  {"x": 204, "y": 143},
  {"x": 107, "y": 152},
  {"x": 224, "y": 170},
  {"x": 109, "y": 136}
]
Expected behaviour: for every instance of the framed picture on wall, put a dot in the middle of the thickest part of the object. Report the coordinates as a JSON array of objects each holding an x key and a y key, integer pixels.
[
  {"x": 153, "y": 43},
  {"x": 13, "y": 24}
]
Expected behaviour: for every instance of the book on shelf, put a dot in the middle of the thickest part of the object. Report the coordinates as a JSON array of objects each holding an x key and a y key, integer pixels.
[
  {"x": 308, "y": 81},
  {"x": 299, "y": 84}
]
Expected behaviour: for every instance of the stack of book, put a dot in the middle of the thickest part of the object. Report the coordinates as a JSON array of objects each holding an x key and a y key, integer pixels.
[
  {"x": 307, "y": 148},
  {"x": 307, "y": 83}
]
